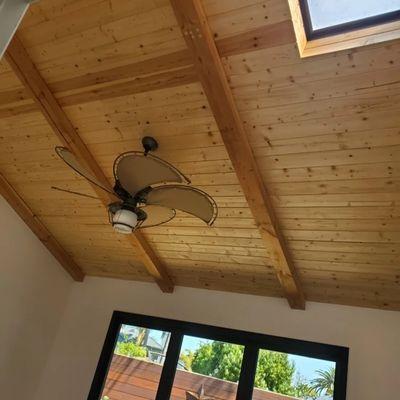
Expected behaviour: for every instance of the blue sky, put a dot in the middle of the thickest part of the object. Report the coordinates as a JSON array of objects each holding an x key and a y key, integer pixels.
[{"x": 307, "y": 366}]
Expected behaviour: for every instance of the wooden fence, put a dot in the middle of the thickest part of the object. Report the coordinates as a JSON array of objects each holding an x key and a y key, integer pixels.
[{"x": 132, "y": 379}]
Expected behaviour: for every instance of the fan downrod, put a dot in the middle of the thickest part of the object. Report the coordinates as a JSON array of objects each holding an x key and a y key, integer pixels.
[{"x": 149, "y": 144}]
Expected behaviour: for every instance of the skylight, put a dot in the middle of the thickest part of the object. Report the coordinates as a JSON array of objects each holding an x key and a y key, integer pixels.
[{"x": 327, "y": 17}]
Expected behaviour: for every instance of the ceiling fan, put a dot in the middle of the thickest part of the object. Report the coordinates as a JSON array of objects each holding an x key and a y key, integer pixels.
[{"x": 145, "y": 199}]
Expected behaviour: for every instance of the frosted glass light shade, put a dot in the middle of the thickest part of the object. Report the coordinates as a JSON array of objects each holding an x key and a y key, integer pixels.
[{"x": 124, "y": 221}]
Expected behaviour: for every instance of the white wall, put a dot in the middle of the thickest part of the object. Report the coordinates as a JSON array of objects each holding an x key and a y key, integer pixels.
[
  {"x": 33, "y": 294},
  {"x": 372, "y": 335}
]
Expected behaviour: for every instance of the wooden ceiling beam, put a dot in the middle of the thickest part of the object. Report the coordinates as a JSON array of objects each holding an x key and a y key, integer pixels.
[
  {"x": 199, "y": 38},
  {"x": 37, "y": 227},
  {"x": 21, "y": 63}
]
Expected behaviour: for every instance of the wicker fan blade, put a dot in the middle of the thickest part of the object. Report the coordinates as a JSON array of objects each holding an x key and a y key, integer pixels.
[
  {"x": 70, "y": 159},
  {"x": 184, "y": 198},
  {"x": 135, "y": 171},
  {"x": 157, "y": 215}
]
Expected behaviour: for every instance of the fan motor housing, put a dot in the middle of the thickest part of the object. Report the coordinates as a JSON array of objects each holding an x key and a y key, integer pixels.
[{"x": 149, "y": 144}]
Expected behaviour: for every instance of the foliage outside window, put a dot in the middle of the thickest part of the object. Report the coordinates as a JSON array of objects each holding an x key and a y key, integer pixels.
[{"x": 275, "y": 371}]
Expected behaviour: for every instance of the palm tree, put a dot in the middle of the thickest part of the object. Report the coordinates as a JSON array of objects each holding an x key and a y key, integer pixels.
[{"x": 325, "y": 382}]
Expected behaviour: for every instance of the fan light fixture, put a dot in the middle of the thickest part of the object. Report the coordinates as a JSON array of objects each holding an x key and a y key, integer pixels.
[{"x": 124, "y": 221}]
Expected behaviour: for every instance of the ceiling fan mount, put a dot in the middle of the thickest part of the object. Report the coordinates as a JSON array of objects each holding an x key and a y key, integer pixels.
[
  {"x": 149, "y": 144},
  {"x": 142, "y": 185}
]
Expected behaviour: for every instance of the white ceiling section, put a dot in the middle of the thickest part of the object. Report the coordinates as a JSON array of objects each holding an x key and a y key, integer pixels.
[{"x": 11, "y": 14}]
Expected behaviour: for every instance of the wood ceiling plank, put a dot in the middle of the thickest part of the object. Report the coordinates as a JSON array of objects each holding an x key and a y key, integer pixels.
[
  {"x": 207, "y": 61},
  {"x": 328, "y": 142},
  {"x": 329, "y": 173},
  {"x": 366, "y": 258},
  {"x": 244, "y": 16},
  {"x": 37, "y": 227},
  {"x": 57, "y": 24},
  {"x": 361, "y": 297},
  {"x": 350, "y": 185},
  {"x": 339, "y": 212},
  {"x": 375, "y": 236},
  {"x": 17, "y": 110},
  {"x": 167, "y": 62},
  {"x": 264, "y": 37},
  {"x": 163, "y": 80},
  {"x": 338, "y": 200},
  {"x": 62, "y": 126},
  {"x": 387, "y": 249},
  {"x": 371, "y": 155}
]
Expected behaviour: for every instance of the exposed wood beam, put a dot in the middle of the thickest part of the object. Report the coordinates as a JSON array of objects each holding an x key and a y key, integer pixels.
[
  {"x": 37, "y": 227},
  {"x": 24, "y": 68},
  {"x": 199, "y": 38}
]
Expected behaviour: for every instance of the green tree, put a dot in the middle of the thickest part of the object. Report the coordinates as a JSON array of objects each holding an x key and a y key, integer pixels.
[
  {"x": 220, "y": 360},
  {"x": 274, "y": 372},
  {"x": 186, "y": 360},
  {"x": 303, "y": 390},
  {"x": 223, "y": 360},
  {"x": 324, "y": 384},
  {"x": 130, "y": 349}
]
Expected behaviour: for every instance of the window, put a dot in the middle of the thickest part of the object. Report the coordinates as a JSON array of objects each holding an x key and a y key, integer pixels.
[
  {"x": 137, "y": 363},
  {"x": 327, "y": 17},
  {"x": 208, "y": 368},
  {"x": 323, "y": 26},
  {"x": 151, "y": 358},
  {"x": 303, "y": 377}
]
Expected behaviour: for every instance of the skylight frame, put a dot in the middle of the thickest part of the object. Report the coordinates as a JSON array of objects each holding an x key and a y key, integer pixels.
[
  {"x": 313, "y": 34},
  {"x": 348, "y": 39}
]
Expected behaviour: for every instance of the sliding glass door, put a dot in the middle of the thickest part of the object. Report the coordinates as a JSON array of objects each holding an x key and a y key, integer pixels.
[{"x": 149, "y": 358}]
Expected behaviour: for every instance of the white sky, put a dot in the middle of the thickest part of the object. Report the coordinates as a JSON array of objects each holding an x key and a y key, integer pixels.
[{"x": 326, "y": 13}]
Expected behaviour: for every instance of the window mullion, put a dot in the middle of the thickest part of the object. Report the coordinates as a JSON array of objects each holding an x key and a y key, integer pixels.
[
  {"x": 170, "y": 365},
  {"x": 247, "y": 373}
]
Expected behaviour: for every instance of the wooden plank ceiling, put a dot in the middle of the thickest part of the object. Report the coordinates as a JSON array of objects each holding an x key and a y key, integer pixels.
[{"x": 324, "y": 132}]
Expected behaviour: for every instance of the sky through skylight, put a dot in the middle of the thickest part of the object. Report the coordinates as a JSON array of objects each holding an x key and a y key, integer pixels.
[{"x": 326, "y": 13}]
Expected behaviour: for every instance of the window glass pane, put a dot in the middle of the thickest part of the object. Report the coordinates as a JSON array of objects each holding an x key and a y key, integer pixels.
[
  {"x": 280, "y": 375},
  {"x": 136, "y": 365},
  {"x": 208, "y": 370},
  {"x": 325, "y": 13}
]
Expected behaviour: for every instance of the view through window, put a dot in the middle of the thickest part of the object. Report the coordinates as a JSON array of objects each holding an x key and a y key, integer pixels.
[
  {"x": 207, "y": 369},
  {"x": 136, "y": 365},
  {"x": 139, "y": 362},
  {"x": 295, "y": 376}
]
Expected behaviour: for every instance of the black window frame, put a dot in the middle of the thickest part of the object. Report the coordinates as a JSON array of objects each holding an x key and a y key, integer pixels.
[
  {"x": 252, "y": 343},
  {"x": 312, "y": 34}
]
